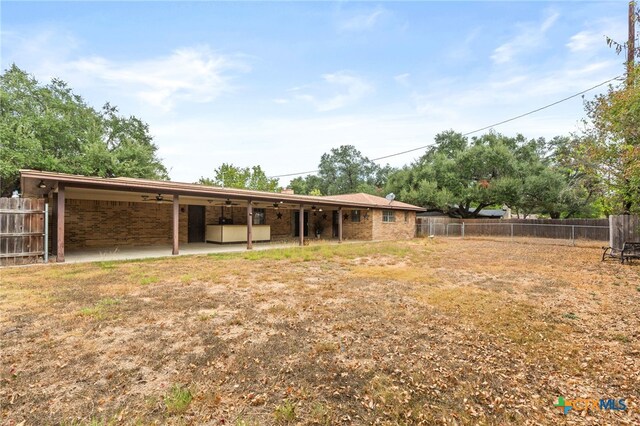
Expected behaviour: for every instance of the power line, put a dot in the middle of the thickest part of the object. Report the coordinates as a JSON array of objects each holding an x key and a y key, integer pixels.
[{"x": 474, "y": 131}]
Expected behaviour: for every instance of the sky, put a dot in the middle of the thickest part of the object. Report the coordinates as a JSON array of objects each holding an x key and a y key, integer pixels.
[{"x": 277, "y": 84}]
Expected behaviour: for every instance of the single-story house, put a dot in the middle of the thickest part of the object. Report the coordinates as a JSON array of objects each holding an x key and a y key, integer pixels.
[{"x": 95, "y": 212}]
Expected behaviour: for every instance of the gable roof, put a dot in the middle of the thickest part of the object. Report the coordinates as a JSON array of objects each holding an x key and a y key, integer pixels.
[{"x": 373, "y": 200}]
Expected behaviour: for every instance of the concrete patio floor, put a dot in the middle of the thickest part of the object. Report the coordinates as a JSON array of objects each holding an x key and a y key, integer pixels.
[{"x": 129, "y": 253}]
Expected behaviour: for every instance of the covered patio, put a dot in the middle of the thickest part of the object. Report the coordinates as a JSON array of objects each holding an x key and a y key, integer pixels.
[{"x": 107, "y": 218}]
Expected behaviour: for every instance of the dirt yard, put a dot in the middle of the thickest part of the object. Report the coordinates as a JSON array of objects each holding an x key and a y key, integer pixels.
[{"x": 420, "y": 332}]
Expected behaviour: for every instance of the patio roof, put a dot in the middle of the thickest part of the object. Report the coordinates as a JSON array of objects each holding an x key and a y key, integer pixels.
[{"x": 132, "y": 189}]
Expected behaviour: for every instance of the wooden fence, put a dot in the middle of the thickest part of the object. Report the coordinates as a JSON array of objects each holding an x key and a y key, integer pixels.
[
  {"x": 623, "y": 228},
  {"x": 568, "y": 229},
  {"x": 22, "y": 231}
]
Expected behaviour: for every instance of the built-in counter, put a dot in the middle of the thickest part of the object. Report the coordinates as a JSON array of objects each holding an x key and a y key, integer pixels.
[{"x": 236, "y": 233}]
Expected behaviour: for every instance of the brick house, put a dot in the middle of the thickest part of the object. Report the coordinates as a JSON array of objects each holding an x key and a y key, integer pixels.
[{"x": 94, "y": 212}]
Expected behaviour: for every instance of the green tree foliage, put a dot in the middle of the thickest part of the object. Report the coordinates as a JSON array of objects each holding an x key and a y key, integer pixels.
[
  {"x": 612, "y": 144},
  {"x": 343, "y": 170},
  {"x": 230, "y": 176},
  {"x": 48, "y": 127},
  {"x": 461, "y": 177},
  {"x": 308, "y": 185}
]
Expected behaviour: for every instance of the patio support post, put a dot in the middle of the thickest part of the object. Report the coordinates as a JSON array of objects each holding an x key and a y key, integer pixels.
[
  {"x": 340, "y": 224},
  {"x": 249, "y": 225},
  {"x": 176, "y": 225},
  {"x": 60, "y": 223},
  {"x": 301, "y": 225}
]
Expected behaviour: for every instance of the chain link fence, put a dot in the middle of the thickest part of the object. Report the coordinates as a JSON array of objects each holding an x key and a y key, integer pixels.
[{"x": 587, "y": 230}]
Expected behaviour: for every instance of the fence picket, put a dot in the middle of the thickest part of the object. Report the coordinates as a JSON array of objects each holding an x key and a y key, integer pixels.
[{"x": 21, "y": 231}]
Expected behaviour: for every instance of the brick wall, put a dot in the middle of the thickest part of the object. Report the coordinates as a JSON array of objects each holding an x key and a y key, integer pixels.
[
  {"x": 401, "y": 229},
  {"x": 362, "y": 230},
  {"x": 113, "y": 223},
  {"x": 91, "y": 224}
]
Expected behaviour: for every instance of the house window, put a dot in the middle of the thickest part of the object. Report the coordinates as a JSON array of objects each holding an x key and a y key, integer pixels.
[
  {"x": 355, "y": 215},
  {"x": 388, "y": 216},
  {"x": 259, "y": 217},
  {"x": 406, "y": 217}
]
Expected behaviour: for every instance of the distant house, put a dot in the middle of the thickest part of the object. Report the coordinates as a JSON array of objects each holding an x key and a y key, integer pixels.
[
  {"x": 94, "y": 212},
  {"x": 484, "y": 214}
]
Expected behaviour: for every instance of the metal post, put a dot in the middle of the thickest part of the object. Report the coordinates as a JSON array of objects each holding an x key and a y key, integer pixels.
[
  {"x": 46, "y": 232},
  {"x": 512, "y": 231},
  {"x": 462, "y": 229},
  {"x": 573, "y": 235},
  {"x": 447, "y": 229}
]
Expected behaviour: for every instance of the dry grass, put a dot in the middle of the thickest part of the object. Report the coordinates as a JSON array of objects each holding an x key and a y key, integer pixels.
[{"x": 421, "y": 332}]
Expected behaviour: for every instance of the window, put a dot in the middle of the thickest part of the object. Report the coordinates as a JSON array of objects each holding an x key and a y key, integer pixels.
[
  {"x": 259, "y": 217},
  {"x": 388, "y": 216},
  {"x": 406, "y": 217},
  {"x": 355, "y": 215}
]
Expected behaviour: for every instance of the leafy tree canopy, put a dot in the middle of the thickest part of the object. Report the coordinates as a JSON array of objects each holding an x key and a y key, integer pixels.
[
  {"x": 48, "y": 127},
  {"x": 462, "y": 176},
  {"x": 612, "y": 143},
  {"x": 343, "y": 170},
  {"x": 230, "y": 176}
]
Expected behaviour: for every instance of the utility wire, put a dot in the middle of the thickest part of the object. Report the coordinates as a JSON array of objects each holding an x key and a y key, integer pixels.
[{"x": 474, "y": 131}]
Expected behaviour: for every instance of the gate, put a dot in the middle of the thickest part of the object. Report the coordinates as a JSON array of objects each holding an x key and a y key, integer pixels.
[{"x": 23, "y": 236}]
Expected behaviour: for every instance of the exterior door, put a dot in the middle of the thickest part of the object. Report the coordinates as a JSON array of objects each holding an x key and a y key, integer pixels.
[
  {"x": 296, "y": 226},
  {"x": 196, "y": 224},
  {"x": 334, "y": 223}
]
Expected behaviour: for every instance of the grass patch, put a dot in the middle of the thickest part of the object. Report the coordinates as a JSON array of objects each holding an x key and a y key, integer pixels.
[
  {"x": 152, "y": 279},
  {"x": 100, "y": 309},
  {"x": 570, "y": 315},
  {"x": 493, "y": 313},
  {"x": 285, "y": 413},
  {"x": 178, "y": 399}
]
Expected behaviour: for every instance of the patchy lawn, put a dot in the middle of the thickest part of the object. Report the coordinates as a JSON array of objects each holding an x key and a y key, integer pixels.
[{"x": 426, "y": 331}]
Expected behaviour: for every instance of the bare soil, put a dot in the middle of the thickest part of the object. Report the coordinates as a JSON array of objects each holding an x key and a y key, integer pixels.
[{"x": 420, "y": 332}]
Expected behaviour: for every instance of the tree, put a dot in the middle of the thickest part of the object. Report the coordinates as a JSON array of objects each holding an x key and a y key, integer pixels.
[
  {"x": 461, "y": 177},
  {"x": 345, "y": 170},
  {"x": 308, "y": 185},
  {"x": 48, "y": 127},
  {"x": 230, "y": 176},
  {"x": 612, "y": 140},
  {"x": 612, "y": 143}
]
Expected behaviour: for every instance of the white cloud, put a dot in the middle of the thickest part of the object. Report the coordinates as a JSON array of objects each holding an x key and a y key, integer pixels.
[
  {"x": 402, "y": 79},
  {"x": 344, "y": 89},
  {"x": 584, "y": 41},
  {"x": 193, "y": 74},
  {"x": 362, "y": 21},
  {"x": 593, "y": 38},
  {"x": 530, "y": 36}
]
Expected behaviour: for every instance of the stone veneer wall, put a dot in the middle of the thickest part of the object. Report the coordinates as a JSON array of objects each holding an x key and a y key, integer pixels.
[
  {"x": 398, "y": 230},
  {"x": 90, "y": 223}
]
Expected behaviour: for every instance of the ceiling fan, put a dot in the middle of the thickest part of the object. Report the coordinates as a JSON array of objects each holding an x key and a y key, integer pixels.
[{"x": 159, "y": 198}]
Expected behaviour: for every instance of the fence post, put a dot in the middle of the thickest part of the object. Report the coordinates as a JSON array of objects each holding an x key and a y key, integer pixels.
[
  {"x": 447, "y": 229},
  {"x": 573, "y": 235},
  {"x": 512, "y": 231},
  {"x": 46, "y": 232},
  {"x": 462, "y": 230}
]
